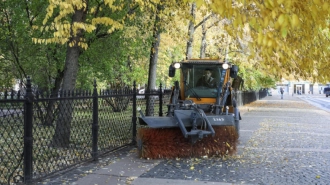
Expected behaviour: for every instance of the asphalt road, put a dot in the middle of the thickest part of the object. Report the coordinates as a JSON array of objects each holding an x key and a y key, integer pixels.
[{"x": 319, "y": 100}]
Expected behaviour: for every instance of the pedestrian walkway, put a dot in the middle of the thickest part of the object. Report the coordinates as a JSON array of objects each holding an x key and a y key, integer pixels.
[{"x": 282, "y": 141}]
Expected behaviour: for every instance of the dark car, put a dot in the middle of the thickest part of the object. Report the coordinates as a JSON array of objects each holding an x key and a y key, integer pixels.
[{"x": 326, "y": 91}]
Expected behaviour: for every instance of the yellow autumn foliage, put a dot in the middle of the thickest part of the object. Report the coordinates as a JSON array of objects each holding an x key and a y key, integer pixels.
[
  {"x": 285, "y": 35},
  {"x": 297, "y": 44},
  {"x": 64, "y": 30}
]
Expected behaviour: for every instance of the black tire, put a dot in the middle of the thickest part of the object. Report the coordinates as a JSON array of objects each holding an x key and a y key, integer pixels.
[
  {"x": 139, "y": 144},
  {"x": 237, "y": 127}
]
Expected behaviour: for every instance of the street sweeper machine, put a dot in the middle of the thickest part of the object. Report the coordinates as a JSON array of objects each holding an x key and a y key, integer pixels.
[{"x": 202, "y": 118}]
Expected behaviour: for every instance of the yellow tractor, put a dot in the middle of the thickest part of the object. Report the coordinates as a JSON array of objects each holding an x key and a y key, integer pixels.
[{"x": 202, "y": 118}]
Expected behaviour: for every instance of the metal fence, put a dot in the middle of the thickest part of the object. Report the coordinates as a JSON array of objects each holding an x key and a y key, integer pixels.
[
  {"x": 44, "y": 133},
  {"x": 246, "y": 97}
]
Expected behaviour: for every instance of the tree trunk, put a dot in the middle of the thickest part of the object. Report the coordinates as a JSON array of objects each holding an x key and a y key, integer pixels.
[
  {"x": 50, "y": 117},
  {"x": 153, "y": 63},
  {"x": 203, "y": 44},
  {"x": 62, "y": 134},
  {"x": 191, "y": 31}
]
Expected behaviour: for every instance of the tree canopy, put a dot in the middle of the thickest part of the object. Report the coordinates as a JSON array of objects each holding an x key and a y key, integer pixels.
[
  {"x": 287, "y": 36},
  {"x": 112, "y": 38}
]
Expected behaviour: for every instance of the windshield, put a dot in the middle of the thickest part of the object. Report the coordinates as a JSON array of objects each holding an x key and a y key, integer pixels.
[{"x": 201, "y": 81}]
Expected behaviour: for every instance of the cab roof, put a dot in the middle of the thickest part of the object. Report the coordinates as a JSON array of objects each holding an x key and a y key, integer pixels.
[{"x": 202, "y": 61}]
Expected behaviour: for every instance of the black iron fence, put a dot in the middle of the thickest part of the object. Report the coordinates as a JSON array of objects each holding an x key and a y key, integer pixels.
[
  {"x": 44, "y": 133},
  {"x": 246, "y": 97}
]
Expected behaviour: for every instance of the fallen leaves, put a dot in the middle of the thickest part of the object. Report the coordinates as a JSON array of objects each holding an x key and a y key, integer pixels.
[
  {"x": 129, "y": 180},
  {"x": 279, "y": 104}
]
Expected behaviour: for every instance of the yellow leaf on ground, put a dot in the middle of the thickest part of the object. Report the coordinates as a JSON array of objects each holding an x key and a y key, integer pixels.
[
  {"x": 294, "y": 21},
  {"x": 284, "y": 32},
  {"x": 325, "y": 6},
  {"x": 281, "y": 19}
]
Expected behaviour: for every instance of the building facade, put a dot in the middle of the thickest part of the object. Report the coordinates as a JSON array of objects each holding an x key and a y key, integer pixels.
[{"x": 300, "y": 87}]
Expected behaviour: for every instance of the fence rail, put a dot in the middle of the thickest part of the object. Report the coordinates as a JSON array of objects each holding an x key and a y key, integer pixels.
[{"x": 41, "y": 133}]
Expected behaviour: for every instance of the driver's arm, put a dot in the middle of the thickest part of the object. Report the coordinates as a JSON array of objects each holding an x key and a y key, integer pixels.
[{"x": 199, "y": 82}]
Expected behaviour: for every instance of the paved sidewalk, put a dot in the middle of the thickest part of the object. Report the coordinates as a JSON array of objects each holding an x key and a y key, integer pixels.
[{"x": 282, "y": 141}]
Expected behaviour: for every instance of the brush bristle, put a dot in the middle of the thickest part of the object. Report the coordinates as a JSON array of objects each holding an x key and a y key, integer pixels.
[{"x": 170, "y": 143}]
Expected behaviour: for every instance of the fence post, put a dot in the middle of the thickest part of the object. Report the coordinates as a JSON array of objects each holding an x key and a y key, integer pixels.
[
  {"x": 95, "y": 126},
  {"x": 160, "y": 100},
  {"x": 28, "y": 138},
  {"x": 134, "y": 114}
]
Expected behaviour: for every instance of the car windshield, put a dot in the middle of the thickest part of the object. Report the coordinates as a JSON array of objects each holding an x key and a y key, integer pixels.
[{"x": 201, "y": 81}]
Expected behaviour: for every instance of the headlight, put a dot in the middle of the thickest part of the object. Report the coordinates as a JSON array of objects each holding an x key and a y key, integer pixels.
[
  {"x": 177, "y": 65},
  {"x": 225, "y": 65}
]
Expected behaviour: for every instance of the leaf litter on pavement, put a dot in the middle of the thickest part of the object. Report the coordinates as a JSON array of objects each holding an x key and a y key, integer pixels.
[
  {"x": 280, "y": 147},
  {"x": 260, "y": 152}
]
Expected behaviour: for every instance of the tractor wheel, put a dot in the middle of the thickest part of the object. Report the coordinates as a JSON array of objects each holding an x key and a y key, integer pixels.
[
  {"x": 139, "y": 144},
  {"x": 237, "y": 127}
]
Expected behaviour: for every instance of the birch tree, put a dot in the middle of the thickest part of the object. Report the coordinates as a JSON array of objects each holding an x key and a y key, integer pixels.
[{"x": 288, "y": 37}]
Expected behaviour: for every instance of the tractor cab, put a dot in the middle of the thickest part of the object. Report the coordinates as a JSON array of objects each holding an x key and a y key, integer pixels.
[{"x": 203, "y": 80}]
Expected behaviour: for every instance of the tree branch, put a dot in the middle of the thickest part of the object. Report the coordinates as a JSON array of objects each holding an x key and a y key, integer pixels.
[{"x": 205, "y": 19}]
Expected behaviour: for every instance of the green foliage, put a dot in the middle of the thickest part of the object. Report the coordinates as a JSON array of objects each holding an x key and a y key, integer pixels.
[
  {"x": 254, "y": 79},
  {"x": 118, "y": 58},
  {"x": 122, "y": 55},
  {"x": 19, "y": 56}
]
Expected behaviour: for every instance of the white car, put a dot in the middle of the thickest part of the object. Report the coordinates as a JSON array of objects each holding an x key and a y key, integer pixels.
[{"x": 142, "y": 91}]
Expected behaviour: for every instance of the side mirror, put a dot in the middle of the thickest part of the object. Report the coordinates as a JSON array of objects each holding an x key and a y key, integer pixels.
[
  {"x": 233, "y": 71},
  {"x": 171, "y": 71}
]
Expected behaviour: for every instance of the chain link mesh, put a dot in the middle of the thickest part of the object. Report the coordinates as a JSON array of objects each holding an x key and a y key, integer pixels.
[{"x": 11, "y": 139}]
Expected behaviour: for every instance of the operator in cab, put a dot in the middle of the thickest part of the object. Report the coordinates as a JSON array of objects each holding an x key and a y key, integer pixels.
[{"x": 207, "y": 80}]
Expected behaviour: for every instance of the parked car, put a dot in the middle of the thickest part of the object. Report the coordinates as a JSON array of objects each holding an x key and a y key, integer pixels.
[
  {"x": 326, "y": 91},
  {"x": 142, "y": 91}
]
